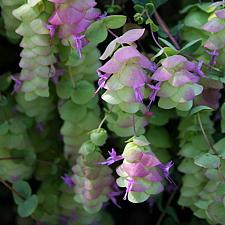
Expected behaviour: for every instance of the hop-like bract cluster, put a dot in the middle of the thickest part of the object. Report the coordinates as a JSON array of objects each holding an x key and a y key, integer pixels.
[
  {"x": 57, "y": 207},
  {"x": 93, "y": 182},
  {"x": 178, "y": 78},
  {"x": 139, "y": 172},
  {"x": 10, "y": 22},
  {"x": 79, "y": 109},
  {"x": 215, "y": 43},
  {"x": 123, "y": 123},
  {"x": 41, "y": 109},
  {"x": 202, "y": 182},
  {"x": 72, "y": 18},
  {"x": 124, "y": 76},
  {"x": 14, "y": 142},
  {"x": 37, "y": 55}
]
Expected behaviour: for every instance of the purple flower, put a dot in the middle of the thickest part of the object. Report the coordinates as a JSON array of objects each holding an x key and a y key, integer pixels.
[
  {"x": 63, "y": 220},
  {"x": 138, "y": 94},
  {"x": 68, "y": 180},
  {"x": 40, "y": 127},
  {"x": 198, "y": 70},
  {"x": 102, "y": 16},
  {"x": 102, "y": 80},
  {"x": 52, "y": 29},
  {"x": 17, "y": 84},
  {"x": 78, "y": 41},
  {"x": 129, "y": 187},
  {"x": 153, "y": 67},
  {"x": 56, "y": 74},
  {"x": 166, "y": 170},
  {"x": 151, "y": 202},
  {"x": 155, "y": 90},
  {"x": 113, "y": 158},
  {"x": 112, "y": 196},
  {"x": 214, "y": 55}
]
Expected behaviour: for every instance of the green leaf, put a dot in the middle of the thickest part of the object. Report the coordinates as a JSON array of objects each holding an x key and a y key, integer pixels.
[
  {"x": 83, "y": 92},
  {"x": 150, "y": 8},
  {"x": 23, "y": 188},
  {"x": 216, "y": 212},
  {"x": 207, "y": 160},
  {"x": 139, "y": 8},
  {"x": 220, "y": 147},
  {"x": 5, "y": 81},
  {"x": 199, "y": 109},
  {"x": 28, "y": 207},
  {"x": 153, "y": 26},
  {"x": 191, "y": 47},
  {"x": 115, "y": 21},
  {"x": 159, "y": 137},
  {"x": 97, "y": 32},
  {"x": 167, "y": 43}
]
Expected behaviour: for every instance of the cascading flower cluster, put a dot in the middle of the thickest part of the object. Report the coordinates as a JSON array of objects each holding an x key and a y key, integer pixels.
[
  {"x": 76, "y": 88},
  {"x": 141, "y": 173},
  {"x": 51, "y": 130},
  {"x": 124, "y": 76},
  {"x": 14, "y": 141},
  {"x": 178, "y": 79},
  {"x": 122, "y": 123},
  {"x": 71, "y": 19},
  {"x": 57, "y": 206},
  {"x": 10, "y": 22},
  {"x": 215, "y": 43},
  {"x": 202, "y": 180},
  {"x": 93, "y": 182},
  {"x": 37, "y": 57}
]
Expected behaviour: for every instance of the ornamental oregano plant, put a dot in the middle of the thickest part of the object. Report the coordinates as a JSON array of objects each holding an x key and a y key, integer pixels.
[{"x": 112, "y": 112}]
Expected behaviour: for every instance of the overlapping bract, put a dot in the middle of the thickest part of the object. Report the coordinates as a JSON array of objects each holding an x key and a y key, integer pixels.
[
  {"x": 10, "y": 22},
  {"x": 79, "y": 109},
  {"x": 126, "y": 73},
  {"x": 203, "y": 182},
  {"x": 178, "y": 78},
  {"x": 215, "y": 43},
  {"x": 139, "y": 173},
  {"x": 37, "y": 57},
  {"x": 14, "y": 141},
  {"x": 93, "y": 182},
  {"x": 71, "y": 19},
  {"x": 122, "y": 123}
]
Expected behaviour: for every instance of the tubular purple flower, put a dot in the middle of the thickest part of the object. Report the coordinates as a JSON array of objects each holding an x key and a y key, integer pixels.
[
  {"x": 102, "y": 16},
  {"x": 138, "y": 94},
  {"x": 57, "y": 73},
  {"x": 112, "y": 159},
  {"x": 198, "y": 70},
  {"x": 17, "y": 84},
  {"x": 68, "y": 180},
  {"x": 166, "y": 170},
  {"x": 79, "y": 43},
  {"x": 155, "y": 90},
  {"x": 112, "y": 196},
  {"x": 129, "y": 187},
  {"x": 40, "y": 127},
  {"x": 102, "y": 80},
  {"x": 214, "y": 54},
  {"x": 52, "y": 29}
]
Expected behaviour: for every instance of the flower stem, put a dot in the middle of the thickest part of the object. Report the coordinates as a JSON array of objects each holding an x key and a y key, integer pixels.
[
  {"x": 167, "y": 205},
  {"x": 112, "y": 33},
  {"x": 9, "y": 187},
  {"x": 166, "y": 29},
  {"x": 134, "y": 127},
  {"x": 205, "y": 135}
]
